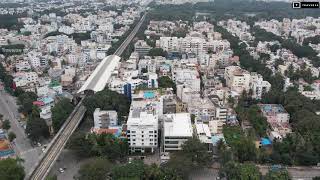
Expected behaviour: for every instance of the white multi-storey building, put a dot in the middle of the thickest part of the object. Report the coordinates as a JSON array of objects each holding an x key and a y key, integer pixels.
[
  {"x": 177, "y": 129},
  {"x": 258, "y": 86},
  {"x": 24, "y": 78},
  {"x": 142, "y": 124},
  {"x": 237, "y": 79}
]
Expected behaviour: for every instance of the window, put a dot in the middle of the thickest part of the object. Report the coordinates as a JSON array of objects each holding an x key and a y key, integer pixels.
[
  {"x": 133, "y": 139},
  {"x": 133, "y": 131},
  {"x": 142, "y": 135},
  {"x": 151, "y": 139},
  {"x": 150, "y": 131}
]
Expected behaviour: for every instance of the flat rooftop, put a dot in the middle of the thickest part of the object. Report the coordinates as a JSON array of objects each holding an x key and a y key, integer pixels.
[{"x": 177, "y": 125}]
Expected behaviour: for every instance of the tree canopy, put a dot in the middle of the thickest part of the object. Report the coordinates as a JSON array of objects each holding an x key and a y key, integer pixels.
[
  {"x": 60, "y": 113},
  {"x": 108, "y": 100},
  {"x": 36, "y": 127},
  {"x": 105, "y": 145},
  {"x": 95, "y": 169},
  {"x": 236, "y": 171},
  {"x": 11, "y": 169},
  {"x": 157, "y": 52},
  {"x": 194, "y": 154},
  {"x": 281, "y": 174}
]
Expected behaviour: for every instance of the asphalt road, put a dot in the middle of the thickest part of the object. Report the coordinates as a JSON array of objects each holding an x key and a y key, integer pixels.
[
  {"x": 22, "y": 144},
  {"x": 71, "y": 164}
]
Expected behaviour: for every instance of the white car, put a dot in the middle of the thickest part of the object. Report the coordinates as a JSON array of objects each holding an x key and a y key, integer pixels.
[{"x": 61, "y": 170}]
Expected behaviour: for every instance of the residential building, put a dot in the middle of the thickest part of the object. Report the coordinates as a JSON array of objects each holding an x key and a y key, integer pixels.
[
  {"x": 177, "y": 129},
  {"x": 142, "y": 48},
  {"x": 104, "y": 119}
]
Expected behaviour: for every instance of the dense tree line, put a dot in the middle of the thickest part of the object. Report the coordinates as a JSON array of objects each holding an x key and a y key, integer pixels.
[
  {"x": 92, "y": 145},
  {"x": 6, "y": 79},
  {"x": 193, "y": 155},
  {"x": 108, "y": 100},
  {"x": 312, "y": 40},
  {"x": 157, "y": 52},
  {"x": 221, "y": 9},
  {"x": 60, "y": 113},
  {"x": 10, "y": 22}
]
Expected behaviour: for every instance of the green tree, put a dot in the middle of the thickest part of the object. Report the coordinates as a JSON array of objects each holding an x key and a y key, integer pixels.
[
  {"x": 60, "y": 113},
  {"x": 237, "y": 171},
  {"x": 166, "y": 82},
  {"x": 108, "y": 100},
  {"x": 134, "y": 171},
  {"x": 6, "y": 124},
  {"x": 11, "y": 169},
  {"x": 95, "y": 169},
  {"x": 157, "y": 52},
  {"x": 281, "y": 174},
  {"x": 105, "y": 145},
  {"x": 11, "y": 136},
  {"x": 194, "y": 154},
  {"x": 25, "y": 101},
  {"x": 36, "y": 127}
]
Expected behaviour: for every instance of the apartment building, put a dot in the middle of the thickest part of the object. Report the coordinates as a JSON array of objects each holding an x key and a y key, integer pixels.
[
  {"x": 258, "y": 85},
  {"x": 142, "y": 48},
  {"x": 142, "y": 124},
  {"x": 104, "y": 119},
  {"x": 177, "y": 129},
  {"x": 237, "y": 79}
]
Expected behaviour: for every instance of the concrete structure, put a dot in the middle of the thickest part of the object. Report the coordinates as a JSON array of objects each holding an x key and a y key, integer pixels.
[
  {"x": 100, "y": 76},
  {"x": 104, "y": 119},
  {"x": 177, "y": 129},
  {"x": 278, "y": 119},
  {"x": 142, "y": 129},
  {"x": 142, "y": 48},
  {"x": 237, "y": 79}
]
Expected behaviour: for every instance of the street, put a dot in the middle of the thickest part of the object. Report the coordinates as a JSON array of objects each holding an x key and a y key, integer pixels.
[
  {"x": 69, "y": 161},
  {"x": 22, "y": 145}
]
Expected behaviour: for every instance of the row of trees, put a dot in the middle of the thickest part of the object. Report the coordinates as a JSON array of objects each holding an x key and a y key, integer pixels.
[
  {"x": 6, "y": 79},
  {"x": 10, "y": 22},
  {"x": 60, "y": 113},
  {"x": 108, "y": 100},
  {"x": 92, "y": 145},
  {"x": 194, "y": 155}
]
